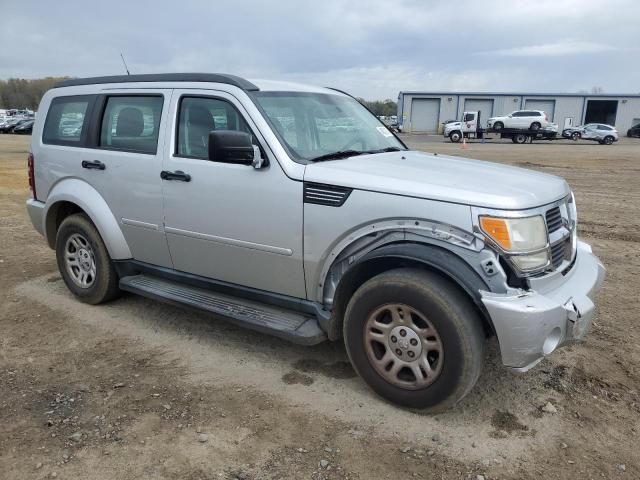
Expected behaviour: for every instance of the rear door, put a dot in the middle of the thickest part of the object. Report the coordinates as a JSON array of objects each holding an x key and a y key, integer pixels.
[{"x": 125, "y": 163}]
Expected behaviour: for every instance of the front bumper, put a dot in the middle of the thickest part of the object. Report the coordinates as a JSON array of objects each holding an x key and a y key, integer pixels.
[{"x": 557, "y": 310}]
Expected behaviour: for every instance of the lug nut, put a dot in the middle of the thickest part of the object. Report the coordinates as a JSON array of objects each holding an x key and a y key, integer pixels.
[
  {"x": 394, "y": 339},
  {"x": 411, "y": 354},
  {"x": 398, "y": 351},
  {"x": 413, "y": 342},
  {"x": 403, "y": 333}
]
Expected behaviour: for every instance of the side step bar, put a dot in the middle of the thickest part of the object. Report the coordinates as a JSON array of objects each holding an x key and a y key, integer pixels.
[{"x": 296, "y": 327}]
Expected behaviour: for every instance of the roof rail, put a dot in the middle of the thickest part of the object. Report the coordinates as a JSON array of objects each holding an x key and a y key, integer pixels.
[{"x": 164, "y": 77}]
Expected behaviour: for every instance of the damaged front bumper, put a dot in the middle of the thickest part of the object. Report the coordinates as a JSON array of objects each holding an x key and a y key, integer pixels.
[{"x": 558, "y": 309}]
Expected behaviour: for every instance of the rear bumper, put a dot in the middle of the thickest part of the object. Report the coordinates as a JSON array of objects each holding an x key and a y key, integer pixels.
[
  {"x": 557, "y": 310},
  {"x": 36, "y": 214}
]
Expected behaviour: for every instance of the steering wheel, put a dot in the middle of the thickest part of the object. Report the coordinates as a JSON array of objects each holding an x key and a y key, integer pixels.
[{"x": 352, "y": 142}]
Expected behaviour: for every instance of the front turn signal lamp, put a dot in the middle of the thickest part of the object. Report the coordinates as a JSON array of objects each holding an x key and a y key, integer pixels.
[{"x": 516, "y": 235}]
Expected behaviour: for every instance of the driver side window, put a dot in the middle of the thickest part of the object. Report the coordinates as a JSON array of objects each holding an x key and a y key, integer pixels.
[{"x": 197, "y": 117}]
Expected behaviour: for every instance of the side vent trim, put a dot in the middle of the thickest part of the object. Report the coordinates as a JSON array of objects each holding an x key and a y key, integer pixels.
[{"x": 328, "y": 195}]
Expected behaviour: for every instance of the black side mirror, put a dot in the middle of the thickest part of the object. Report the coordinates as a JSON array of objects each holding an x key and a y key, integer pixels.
[{"x": 232, "y": 146}]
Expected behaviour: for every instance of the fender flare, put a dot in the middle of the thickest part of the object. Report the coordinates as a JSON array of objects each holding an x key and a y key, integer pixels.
[
  {"x": 442, "y": 259},
  {"x": 87, "y": 198},
  {"x": 438, "y": 258}
]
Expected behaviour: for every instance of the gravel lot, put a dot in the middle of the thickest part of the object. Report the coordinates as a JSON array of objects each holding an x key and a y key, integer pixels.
[{"x": 137, "y": 389}]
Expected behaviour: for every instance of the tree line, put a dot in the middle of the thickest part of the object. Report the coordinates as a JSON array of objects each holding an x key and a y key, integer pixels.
[
  {"x": 23, "y": 93},
  {"x": 386, "y": 107}
]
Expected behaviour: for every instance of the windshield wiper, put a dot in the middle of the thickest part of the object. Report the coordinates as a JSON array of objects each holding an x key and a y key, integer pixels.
[
  {"x": 352, "y": 153},
  {"x": 384, "y": 150},
  {"x": 337, "y": 155}
]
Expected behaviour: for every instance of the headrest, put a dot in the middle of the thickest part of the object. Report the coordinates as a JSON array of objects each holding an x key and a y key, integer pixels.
[{"x": 130, "y": 123}]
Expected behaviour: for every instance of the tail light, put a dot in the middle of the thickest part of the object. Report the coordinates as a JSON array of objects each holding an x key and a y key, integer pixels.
[{"x": 32, "y": 178}]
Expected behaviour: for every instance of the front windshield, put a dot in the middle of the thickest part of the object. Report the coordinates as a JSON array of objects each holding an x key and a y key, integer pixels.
[{"x": 313, "y": 125}]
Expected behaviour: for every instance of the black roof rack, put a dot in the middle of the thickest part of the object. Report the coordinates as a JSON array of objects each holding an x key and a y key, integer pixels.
[{"x": 164, "y": 77}]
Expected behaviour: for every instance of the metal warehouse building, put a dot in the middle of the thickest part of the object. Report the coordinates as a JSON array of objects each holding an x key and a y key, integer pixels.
[{"x": 425, "y": 111}]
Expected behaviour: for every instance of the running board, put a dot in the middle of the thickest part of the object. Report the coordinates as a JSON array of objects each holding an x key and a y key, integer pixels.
[{"x": 292, "y": 326}]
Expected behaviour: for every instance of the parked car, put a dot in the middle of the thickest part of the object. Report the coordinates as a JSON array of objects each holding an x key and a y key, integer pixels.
[
  {"x": 10, "y": 123},
  {"x": 411, "y": 259},
  {"x": 598, "y": 132},
  {"x": 526, "y": 119},
  {"x": 634, "y": 131},
  {"x": 23, "y": 128}
]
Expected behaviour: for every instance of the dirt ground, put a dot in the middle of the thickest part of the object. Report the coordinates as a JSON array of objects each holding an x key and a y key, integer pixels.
[{"x": 137, "y": 389}]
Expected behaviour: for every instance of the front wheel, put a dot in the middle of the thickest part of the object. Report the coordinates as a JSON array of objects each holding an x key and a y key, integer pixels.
[
  {"x": 84, "y": 262},
  {"x": 455, "y": 137},
  {"x": 575, "y": 136},
  {"x": 498, "y": 126},
  {"x": 415, "y": 338}
]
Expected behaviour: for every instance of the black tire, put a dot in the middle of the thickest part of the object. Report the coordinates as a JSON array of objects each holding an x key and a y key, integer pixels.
[
  {"x": 608, "y": 140},
  {"x": 520, "y": 138},
  {"x": 455, "y": 136},
  {"x": 104, "y": 286},
  {"x": 498, "y": 126},
  {"x": 575, "y": 136},
  {"x": 535, "y": 126},
  {"x": 449, "y": 311}
]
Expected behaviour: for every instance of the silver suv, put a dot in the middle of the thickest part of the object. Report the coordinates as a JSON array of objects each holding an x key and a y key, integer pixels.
[{"x": 294, "y": 211}]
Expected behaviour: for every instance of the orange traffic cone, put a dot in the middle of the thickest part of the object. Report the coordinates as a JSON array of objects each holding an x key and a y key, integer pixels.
[{"x": 464, "y": 144}]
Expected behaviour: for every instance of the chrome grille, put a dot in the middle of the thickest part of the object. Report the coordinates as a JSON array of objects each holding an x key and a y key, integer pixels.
[
  {"x": 559, "y": 229},
  {"x": 559, "y": 253},
  {"x": 554, "y": 219}
]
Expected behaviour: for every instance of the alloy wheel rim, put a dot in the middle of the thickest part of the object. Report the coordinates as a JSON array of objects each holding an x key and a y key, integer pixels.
[
  {"x": 403, "y": 346},
  {"x": 80, "y": 261}
]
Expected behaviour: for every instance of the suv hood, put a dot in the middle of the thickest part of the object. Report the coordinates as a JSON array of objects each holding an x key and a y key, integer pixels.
[{"x": 441, "y": 177}]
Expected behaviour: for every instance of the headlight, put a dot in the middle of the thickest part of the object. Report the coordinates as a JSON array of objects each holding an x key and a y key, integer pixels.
[{"x": 523, "y": 239}]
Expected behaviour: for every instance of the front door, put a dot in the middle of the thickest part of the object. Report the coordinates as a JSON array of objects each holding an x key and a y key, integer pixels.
[{"x": 229, "y": 222}]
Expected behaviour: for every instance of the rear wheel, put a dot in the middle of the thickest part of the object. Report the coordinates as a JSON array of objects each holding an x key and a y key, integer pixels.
[
  {"x": 455, "y": 137},
  {"x": 84, "y": 262},
  {"x": 608, "y": 140},
  {"x": 575, "y": 136},
  {"x": 520, "y": 138},
  {"x": 535, "y": 126},
  {"x": 414, "y": 338}
]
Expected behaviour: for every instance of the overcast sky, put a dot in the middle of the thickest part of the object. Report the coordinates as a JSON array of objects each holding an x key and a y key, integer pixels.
[{"x": 370, "y": 48}]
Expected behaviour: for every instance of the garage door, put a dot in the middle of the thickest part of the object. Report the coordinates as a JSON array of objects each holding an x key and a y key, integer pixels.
[
  {"x": 547, "y": 106},
  {"x": 425, "y": 113},
  {"x": 482, "y": 105}
]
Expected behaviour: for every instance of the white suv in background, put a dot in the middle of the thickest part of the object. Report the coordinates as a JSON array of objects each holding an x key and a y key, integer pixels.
[{"x": 528, "y": 119}]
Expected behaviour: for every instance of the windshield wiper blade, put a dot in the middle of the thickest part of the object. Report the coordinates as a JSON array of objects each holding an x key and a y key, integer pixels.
[
  {"x": 337, "y": 155},
  {"x": 384, "y": 150}
]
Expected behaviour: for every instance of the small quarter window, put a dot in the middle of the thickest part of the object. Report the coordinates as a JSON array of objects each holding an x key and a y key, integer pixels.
[
  {"x": 131, "y": 123},
  {"x": 66, "y": 120}
]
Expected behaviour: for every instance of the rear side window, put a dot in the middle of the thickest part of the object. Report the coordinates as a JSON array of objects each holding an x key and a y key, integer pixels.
[
  {"x": 66, "y": 120},
  {"x": 131, "y": 123}
]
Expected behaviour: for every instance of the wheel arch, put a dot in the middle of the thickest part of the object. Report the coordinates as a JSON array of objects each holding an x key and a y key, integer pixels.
[
  {"x": 409, "y": 255},
  {"x": 75, "y": 196}
]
